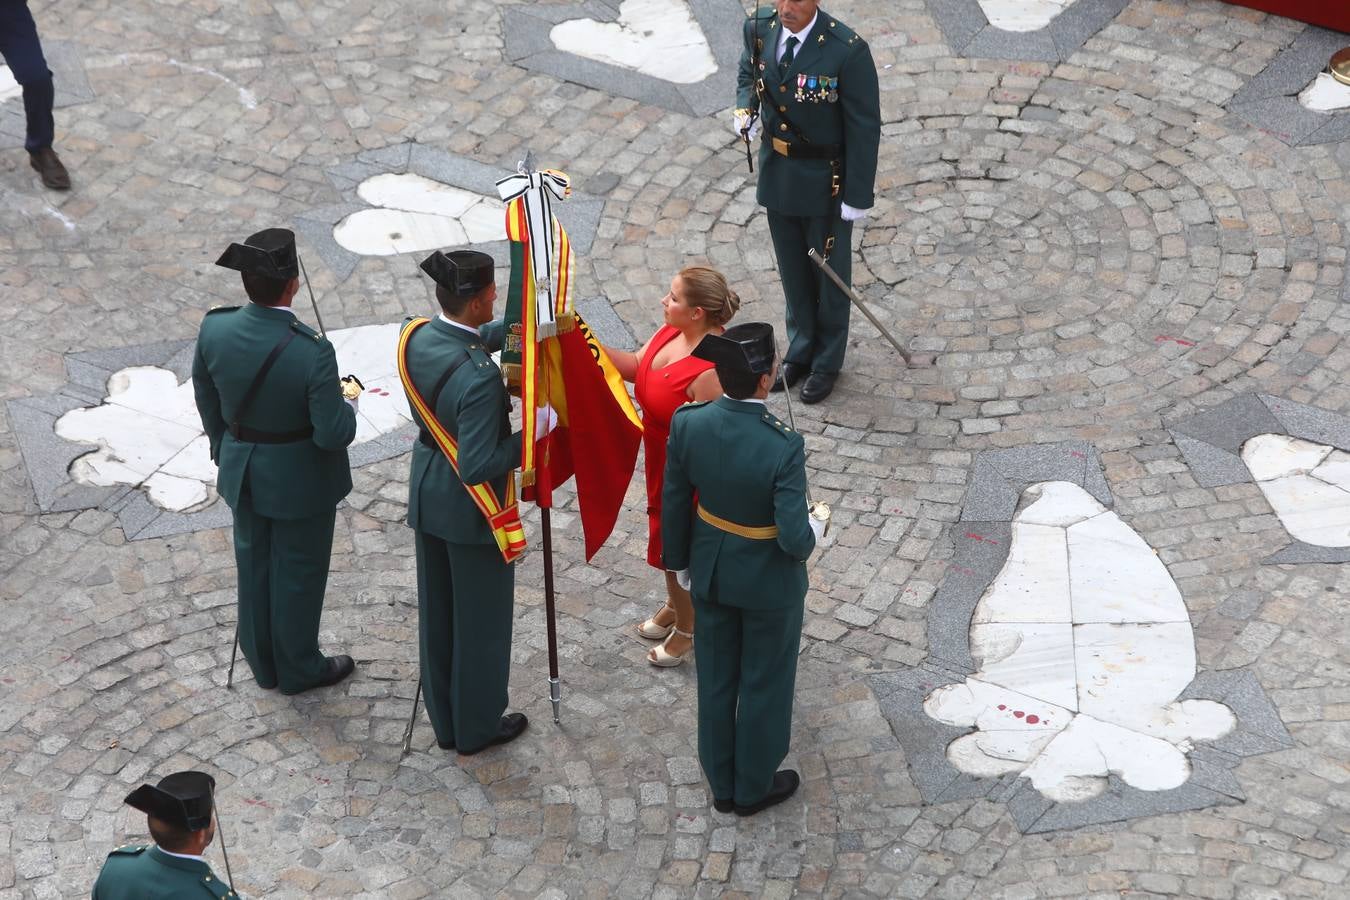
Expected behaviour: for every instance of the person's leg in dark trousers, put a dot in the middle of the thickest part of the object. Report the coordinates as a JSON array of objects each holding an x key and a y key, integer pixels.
[
  {"x": 801, "y": 290},
  {"x": 718, "y": 655},
  {"x": 252, "y": 559},
  {"x": 435, "y": 623},
  {"x": 22, "y": 52},
  {"x": 770, "y": 640},
  {"x": 831, "y": 304},
  {"x": 301, "y": 552},
  {"x": 483, "y": 604}
]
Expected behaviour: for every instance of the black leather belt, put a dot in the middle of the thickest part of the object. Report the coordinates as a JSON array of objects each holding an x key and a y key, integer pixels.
[
  {"x": 803, "y": 151},
  {"x": 254, "y": 436}
]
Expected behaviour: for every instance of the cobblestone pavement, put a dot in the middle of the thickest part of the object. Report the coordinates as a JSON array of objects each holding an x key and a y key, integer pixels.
[{"x": 1097, "y": 248}]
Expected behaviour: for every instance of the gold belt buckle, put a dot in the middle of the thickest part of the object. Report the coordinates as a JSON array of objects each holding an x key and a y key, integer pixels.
[{"x": 781, "y": 146}]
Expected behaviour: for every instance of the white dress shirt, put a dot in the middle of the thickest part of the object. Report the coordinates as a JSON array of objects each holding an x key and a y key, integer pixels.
[
  {"x": 799, "y": 35},
  {"x": 449, "y": 321}
]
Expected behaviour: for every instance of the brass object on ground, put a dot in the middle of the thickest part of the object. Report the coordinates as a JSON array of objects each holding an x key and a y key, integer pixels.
[
  {"x": 352, "y": 388},
  {"x": 1340, "y": 66}
]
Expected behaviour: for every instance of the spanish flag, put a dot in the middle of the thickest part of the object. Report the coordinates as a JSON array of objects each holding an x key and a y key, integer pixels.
[{"x": 598, "y": 432}]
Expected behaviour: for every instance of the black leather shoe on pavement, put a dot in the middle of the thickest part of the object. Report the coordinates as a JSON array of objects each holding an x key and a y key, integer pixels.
[
  {"x": 818, "y": 386},
  {"x": 48, "y": 165},
  {"x": 509, "y": 728},
  {"x": 784, "y": 786},
  {"x": 723, "y": 806},
  {"x": 788, "y": 376},
  {"x": 335, "y": 669}
]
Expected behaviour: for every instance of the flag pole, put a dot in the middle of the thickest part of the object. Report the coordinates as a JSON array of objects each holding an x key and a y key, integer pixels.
[{"x": 550, "y": 616}]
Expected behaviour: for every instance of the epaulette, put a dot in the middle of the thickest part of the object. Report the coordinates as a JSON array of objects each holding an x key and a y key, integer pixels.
[
  {"x": 218, "y": 889},
  {"x": 301, "y": 328},
  {"x": 216, "y": 309},
  {"x": 479, "y": 356},
  {"x": 692, "y": 404},
  {"x": 774, "y": 422},
  {"x": 130, "y": 850},
  {"x": 838, "y": 30}
]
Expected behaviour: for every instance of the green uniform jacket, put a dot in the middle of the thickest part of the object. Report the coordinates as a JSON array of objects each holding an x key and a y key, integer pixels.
[
  {"x": 801, "y": 187},
  {"x": 474, "y": 407},
  {"x": 144, "y": 872},
  {"x": 284, "y": 481},
  {"x": 748, "y": 467}
]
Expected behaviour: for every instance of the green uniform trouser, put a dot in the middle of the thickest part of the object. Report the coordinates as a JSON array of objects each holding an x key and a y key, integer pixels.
[
  {"x": 283, "y": 572},
  {"x": 817, "y": 311},
  {"x": 747, "y": 673},
  {"x": 465, "y": 597}
]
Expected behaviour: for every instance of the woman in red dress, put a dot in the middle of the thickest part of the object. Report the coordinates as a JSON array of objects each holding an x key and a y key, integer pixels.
[{"x": 666, "y": 377}]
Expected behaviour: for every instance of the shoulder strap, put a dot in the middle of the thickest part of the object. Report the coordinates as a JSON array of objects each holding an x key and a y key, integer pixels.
[
  {"x": 252, "y": 393},
  {"x": 435, "y": 394}
]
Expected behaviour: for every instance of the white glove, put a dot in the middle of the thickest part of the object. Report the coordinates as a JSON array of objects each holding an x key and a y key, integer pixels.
[
  {"x": 545, "y": 417},
  {"x": 739, "y": 121},
  {"x": 818, "y": 527},
  {"x": 851, "y": 214},
  {"x": 682, "y": 579}
]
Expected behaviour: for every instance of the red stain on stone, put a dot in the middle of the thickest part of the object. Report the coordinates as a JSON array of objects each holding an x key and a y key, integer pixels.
[
  {"x": 1018, "y": 713},
  {"x": 1032, "y": 720},
  {"x": 1164, "y": 338},
  {"x": 1002, "y": 706}
]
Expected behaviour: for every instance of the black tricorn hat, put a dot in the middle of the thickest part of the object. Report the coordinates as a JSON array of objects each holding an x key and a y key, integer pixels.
[
  {"x": 461, "y": 272},
  {"x": 183, "y": 799},
  {"x": 270, "y": 252},
  {"x": 744, "y": 348}
]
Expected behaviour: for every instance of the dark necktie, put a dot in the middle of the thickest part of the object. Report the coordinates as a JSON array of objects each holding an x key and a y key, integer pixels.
[{"x": 786, "y": 62}]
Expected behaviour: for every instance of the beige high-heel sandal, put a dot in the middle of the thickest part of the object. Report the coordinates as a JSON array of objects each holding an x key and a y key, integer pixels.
[
  {"x": 654, "y": 632},
  {"x": 658, "y": 656}
]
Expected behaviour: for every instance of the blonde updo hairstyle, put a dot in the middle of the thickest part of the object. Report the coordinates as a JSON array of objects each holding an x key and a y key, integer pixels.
[{"x": 707, "y": 289}]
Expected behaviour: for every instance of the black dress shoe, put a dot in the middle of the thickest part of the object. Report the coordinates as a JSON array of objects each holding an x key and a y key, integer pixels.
[
  {"x": 818, "y": 386},
  {"x": 339, "y": 667},
  {"x": 509, "y": 728},
  {"x": 335, "y": 668},
  {"x": 48, "y": 165},
  {"x": 723, "y": 806},
  {"x": 784, "y": 786},
  {"x": 788, "y": 376}
]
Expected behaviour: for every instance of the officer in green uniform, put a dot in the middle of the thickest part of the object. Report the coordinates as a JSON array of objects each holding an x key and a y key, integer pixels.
[
  {"x": 268, "y": 393},
  {"x": 742, "y": 546},
  {"x": 465, "y": 589},
  {"x": 180, "y": 815},
  {"x": 814, "y": 85}
]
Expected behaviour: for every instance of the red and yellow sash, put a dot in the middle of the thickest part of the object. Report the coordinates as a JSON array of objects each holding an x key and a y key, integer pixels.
[{"x": 502, "y": 518}]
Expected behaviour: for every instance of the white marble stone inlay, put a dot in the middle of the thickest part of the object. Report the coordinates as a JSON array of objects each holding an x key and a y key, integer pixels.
[
  {"x": 1023, "y": 15},
  {"x": 659, "y": 38},
  {"x": 414, "y": 214},
  {"x": 149, "y": 435},
  {"x": 9, "y": 88},
  {"x": 1325, "y": 94},
  {"x": 1084, "y": 646},
  {"x": 1306, "y": 483}
]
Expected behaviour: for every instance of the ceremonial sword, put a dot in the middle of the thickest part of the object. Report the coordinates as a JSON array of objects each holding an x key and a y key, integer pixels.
[{"x": 912, "y": 360}]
